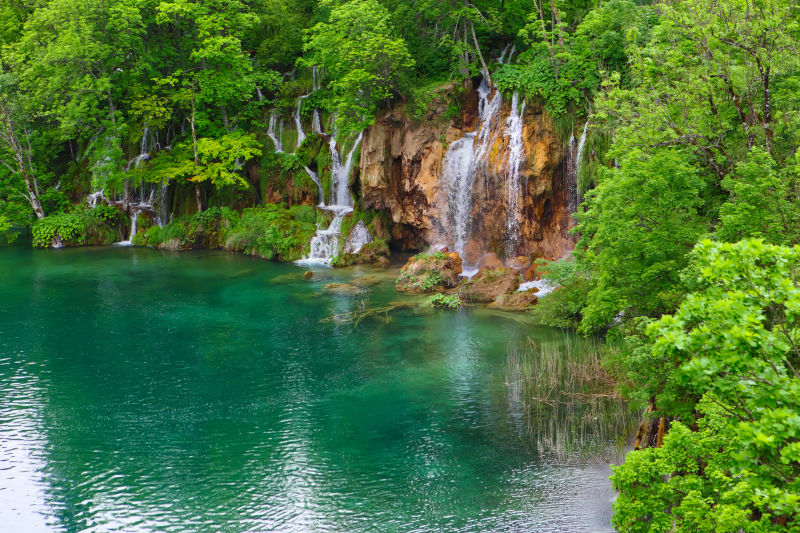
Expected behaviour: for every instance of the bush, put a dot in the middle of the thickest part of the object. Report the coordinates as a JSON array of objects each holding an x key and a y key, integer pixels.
[
  {"x": 272, "y": 232},
  {"x": 203, "y": 229},
  {"x": 445, "y": 301},
  {"x": 81, "y": 227}
]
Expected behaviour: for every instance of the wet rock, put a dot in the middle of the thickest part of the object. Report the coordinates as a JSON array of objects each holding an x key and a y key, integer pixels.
[
  {"x": 372, "y": 253},
  {"x": 342, "y": 288},
  {"x": 432, "y": 272},
  {"x": 519, "y": 263},
  {"x": 490, "y": 261},
  {"x": 401, "y": 169},
  {"x": 517, "y": 301},
  {"x": 490, "y": 284},
  {"x": 308, "y": 274}
]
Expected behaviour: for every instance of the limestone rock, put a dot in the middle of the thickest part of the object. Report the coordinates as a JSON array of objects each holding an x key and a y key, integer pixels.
[
  {"x": 401, "y": 168},
  {"x": 518, "y": 301},
  {"x": 490, "y": 261},
  {"x": 490, "y": 284},
  {"x": 430, "y": 273},
  {"x": 519, "y": 263}
]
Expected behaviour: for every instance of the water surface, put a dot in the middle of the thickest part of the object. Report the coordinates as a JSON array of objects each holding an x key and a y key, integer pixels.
[{"x": 149, "y": 391}]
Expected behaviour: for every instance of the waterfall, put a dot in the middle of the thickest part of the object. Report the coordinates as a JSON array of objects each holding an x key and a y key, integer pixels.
[
  {"x": 325, "y": 243},
  {"x": 458, "y": 175},
  {"x": 513, "y": 49},
  {"x": 273, "y": 119},
  {"x": 301, "y": 136},
  {"x": 459, "y": 168},
  {"x": 574, "y": 169},
  {"x": 315, "y": 179},
  {"x": 503, "y": 54},
  {"x": 95, "y": 197},
  {"x": 340, "y": 172},
  {"x": 259, "y": 94},
  {"x": 143, "y": 153},
  {"x": 316, "y": 127},
  {"x": 488, "y": 111},
  {"x": 572, "y": 181},
  {"x": 515, "y": 152},
  {"x": 359, "y": 236},
  {"x": 134, "y": 215}
]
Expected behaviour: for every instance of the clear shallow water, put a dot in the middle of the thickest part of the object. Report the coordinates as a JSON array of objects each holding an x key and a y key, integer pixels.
[{"x": 147, "y": 391}]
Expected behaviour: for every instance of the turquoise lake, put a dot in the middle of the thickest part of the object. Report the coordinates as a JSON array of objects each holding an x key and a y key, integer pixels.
[{"x": 154, "y": 391}]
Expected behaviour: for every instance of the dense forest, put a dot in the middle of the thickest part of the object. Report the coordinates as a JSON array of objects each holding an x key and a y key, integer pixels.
[{"x": 686, "y": 259}]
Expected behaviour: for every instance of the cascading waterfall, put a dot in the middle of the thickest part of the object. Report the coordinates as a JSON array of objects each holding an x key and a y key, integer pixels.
[
  {"x": 574, "y": 168},
  {"x": 359, "y": 236},
  {"x": 460, "y": 167},
  {"x": 581, "y": 144},
  {"x": 515, "y": 152},
  {"x": 315, "y": 179},
  {"x": 316, "y": 125},
  {"x": 134, "y": 216},
  {"x": 325, "y": 243},
  {"x": 95, "y": 198},
  {"x": 489, "y": 109},
  {"x": 144, "y": 155},
  {"x": 340, "y": 172},
  {"x": 458, "y": 175},
  {"x": 301, "y": 136},
  {"x": 138, "y": 197},
  {"x": 273, "y": 119}
]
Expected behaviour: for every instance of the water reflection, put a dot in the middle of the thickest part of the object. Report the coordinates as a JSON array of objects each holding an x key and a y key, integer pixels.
[
  {"x": 22, "y": 448},
  {"x": 208, "y": 392}
]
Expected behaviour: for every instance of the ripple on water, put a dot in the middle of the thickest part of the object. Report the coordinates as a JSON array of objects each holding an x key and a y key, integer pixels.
[{"x": 144, "y": 391}]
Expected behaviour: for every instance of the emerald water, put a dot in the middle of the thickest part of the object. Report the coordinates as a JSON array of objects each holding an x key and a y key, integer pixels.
[{"x": 148, "y": 391}]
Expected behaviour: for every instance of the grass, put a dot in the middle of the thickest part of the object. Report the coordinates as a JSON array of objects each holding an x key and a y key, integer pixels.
[{"x": 571, "y": 408}]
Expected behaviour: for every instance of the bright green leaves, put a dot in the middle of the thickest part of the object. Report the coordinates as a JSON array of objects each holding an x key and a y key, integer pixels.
[
  {"x": 210, "y": 35},
  {"x": 642, "y": 220},
  {"x": 733, "y": 342},
  {"x": 362, "y": 57},
  {"x": 220, "y": 160},
  {"x": 764, "y": 201}
]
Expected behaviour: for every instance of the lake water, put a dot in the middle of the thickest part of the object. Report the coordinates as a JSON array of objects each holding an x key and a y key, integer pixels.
[{"x": 149, "y": 391}]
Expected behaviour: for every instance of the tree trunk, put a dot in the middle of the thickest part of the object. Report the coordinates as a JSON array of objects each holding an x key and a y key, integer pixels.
[
  {"x": 197, "y": 194},
  {"x": 21, "y": 154},
  {"x": 480, "y": 55}
]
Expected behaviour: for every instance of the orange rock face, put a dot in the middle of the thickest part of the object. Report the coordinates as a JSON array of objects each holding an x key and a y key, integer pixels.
[{"x": 401, "y": 166}]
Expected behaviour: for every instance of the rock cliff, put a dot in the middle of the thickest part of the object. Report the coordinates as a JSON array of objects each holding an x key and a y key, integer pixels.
[{"x": 401, "y": 172}]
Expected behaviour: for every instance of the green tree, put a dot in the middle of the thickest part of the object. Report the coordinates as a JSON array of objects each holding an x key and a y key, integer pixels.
[
  {"x": 362, "y": 57},
  {"x": 728, "y": 361}
]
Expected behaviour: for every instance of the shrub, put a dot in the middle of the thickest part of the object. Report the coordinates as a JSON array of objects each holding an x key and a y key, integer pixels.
[
  {"x": 271, "y": 232},
  {"x": 81, "y": 227},
  {"x": 445, "y": 301}
]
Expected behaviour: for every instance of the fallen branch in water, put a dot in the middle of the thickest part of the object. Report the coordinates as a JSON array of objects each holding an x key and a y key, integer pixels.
[{"x": 363, "y": 312}]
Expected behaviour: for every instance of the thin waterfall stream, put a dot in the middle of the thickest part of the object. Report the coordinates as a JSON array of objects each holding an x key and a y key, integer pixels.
[
  {"x": 516, "y": 149},
  {"x": 324, "y": 245}
]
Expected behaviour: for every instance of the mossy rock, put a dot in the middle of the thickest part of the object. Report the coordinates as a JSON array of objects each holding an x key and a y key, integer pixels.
[
  {"x": 430, "y": 273},
  {"x": 372, "y": 253},
  {"x": 490, "y": 284}
]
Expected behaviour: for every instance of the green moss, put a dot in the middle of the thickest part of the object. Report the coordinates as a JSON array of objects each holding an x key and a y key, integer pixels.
[{"x": 272, "y": 232}]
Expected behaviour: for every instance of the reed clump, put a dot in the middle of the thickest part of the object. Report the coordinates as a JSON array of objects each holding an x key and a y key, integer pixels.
[{"x": 572, "y": 411}]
